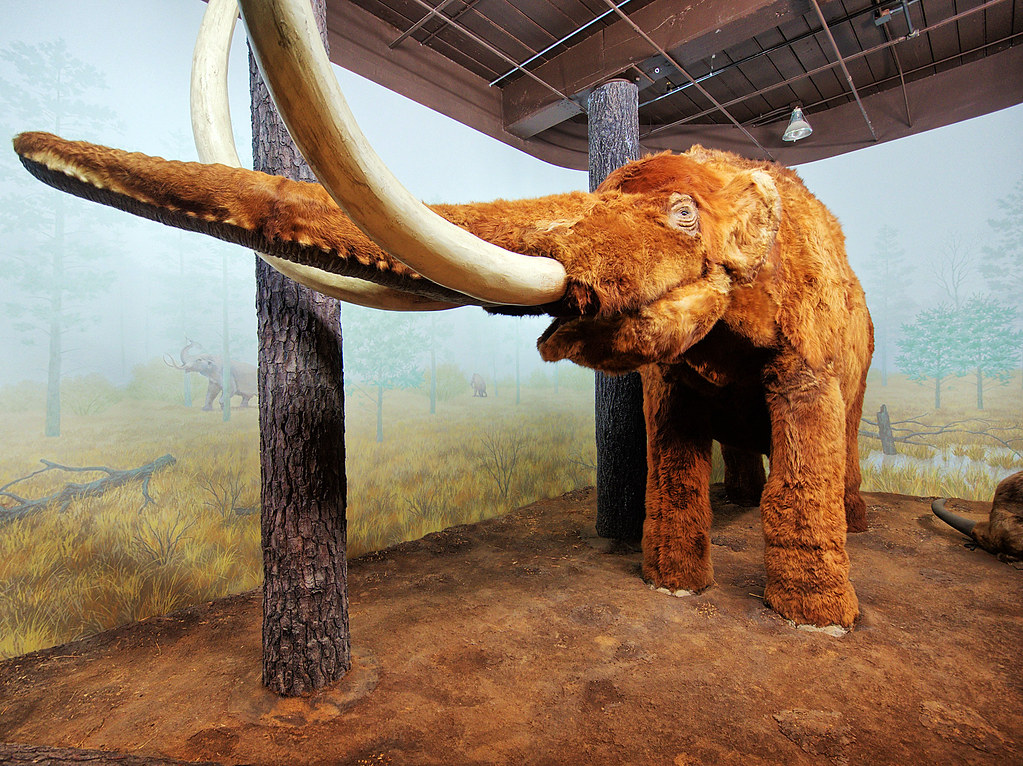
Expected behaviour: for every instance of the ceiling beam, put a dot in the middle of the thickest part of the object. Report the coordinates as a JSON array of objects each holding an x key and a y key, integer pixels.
[
  {"x": 961, "y": 93},
  {"x": 361, "y": 43},
  {"x": 703, "y": 28}
]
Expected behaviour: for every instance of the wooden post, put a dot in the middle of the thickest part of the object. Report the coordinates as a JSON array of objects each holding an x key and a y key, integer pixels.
[
  {"x": 884, "y": 431},
  {"x": 306, "y": 643},
  {"x": 620, "y": 429}
]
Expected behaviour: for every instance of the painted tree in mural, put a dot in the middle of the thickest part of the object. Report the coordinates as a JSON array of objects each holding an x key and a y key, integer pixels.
[
  {"x": 382, "y": 350},
  {"x": 928, "y": 347},
  {"x": 954, "y": 270},
  {"x": 886, "y": 277},
  {"x": 1002, "y": 265},
  {"x": 46, "y": 288},
  {"x": 987, "y": 345}
]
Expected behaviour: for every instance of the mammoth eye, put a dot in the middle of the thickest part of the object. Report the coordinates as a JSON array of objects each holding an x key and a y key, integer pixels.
[{"x": 683, "y": 215}]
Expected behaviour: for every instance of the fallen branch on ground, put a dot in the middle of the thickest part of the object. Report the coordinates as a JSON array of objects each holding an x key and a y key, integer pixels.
[
  {"x": 76, "y": 491},
  {"x": 11, "y": 753}
]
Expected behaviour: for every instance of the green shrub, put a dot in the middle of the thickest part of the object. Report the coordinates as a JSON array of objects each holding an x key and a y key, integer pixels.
[
  {"x": 452, "y": 381},
  {"x": 89, "y": 394},
  {"x": 22, "y": 397},
  {"x": 155, "y": 381}
]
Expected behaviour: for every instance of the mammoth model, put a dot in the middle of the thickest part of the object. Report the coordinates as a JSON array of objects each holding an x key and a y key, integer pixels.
[
  {"x": 723, "y": 281},
  {"x": 1002, "y": 533},
  {"x": 243, "y": 375},
  {"x": 479, "y": 386}
]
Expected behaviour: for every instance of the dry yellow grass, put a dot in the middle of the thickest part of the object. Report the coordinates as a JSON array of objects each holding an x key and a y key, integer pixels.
[
  {"x": 104, "y": 561},
  {"x": 968, "y": 460}
]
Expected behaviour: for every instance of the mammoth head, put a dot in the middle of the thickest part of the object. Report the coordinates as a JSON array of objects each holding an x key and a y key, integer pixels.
[
  {"x": 667, "y": 221},
  {"x": 693, "y": 226},
  {"x": 204, "y": 364}
]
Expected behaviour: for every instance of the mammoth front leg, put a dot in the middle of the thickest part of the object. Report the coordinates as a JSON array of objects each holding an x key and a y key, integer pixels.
[
  {"x": 212, "y": 390},
  {"x": 676, "y": 532},
  {"x": 802, "y": 507}
]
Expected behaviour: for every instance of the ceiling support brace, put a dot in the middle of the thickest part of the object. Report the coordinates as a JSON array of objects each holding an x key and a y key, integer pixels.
[
  {"x": 861, "y": 54},
  {"x": 845, "y": 69},
  {"x": 434, "y": 12},
  {"x": 688, "y": 76}
]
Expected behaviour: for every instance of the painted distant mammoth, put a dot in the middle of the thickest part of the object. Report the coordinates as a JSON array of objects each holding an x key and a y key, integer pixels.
[
  {"x": 1002, "y": 533},
  {"x": 723, "y": 281},
  {"x": 243, "y": 375},
  {"x": 479, "y": 386}
]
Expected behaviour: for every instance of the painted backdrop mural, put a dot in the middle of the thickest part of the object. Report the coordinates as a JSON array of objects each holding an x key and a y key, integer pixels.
[{"x": 115, "y": 334}]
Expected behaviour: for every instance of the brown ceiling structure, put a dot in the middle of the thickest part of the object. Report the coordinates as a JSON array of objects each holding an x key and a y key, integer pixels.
[{"x": 723, "y": 74}]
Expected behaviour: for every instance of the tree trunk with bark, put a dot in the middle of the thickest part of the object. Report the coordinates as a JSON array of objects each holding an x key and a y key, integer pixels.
[
  {"x": 306, "y": 643},
  {"x": 621, "y": 431},
  {"x": 884, "y": 431},
  {"x": 54, "y": 375}
]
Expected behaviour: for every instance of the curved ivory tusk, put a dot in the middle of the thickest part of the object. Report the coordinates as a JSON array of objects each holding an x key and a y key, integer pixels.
[
  {"x": 295, "y": 67},
  {"x": 353, "y": 290},
  {"x": 955, "y": 521},
  {"x": 211, "y": 111},
  {"x": 214, "y": 141}
]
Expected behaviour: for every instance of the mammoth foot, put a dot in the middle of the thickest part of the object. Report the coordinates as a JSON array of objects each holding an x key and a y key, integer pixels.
[
  {"x": 679, "y": 580},
  {"x": 680, "y": 593},
  {"x": 820, "y": 609}
]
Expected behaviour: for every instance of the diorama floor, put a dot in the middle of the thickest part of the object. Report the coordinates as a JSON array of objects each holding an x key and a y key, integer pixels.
[{"x": 528, "y": 640}]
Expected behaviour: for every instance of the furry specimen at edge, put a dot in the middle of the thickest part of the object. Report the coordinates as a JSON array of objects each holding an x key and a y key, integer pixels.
[
  {"x": 479, "y": 386},
  {"x": 723, "y": 281},
  {"x": 1002, "y": 533}
]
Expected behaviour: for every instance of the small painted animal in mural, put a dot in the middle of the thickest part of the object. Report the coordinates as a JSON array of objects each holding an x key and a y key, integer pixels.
[
  {"x": 1002, "y": 533},
  {"x": 243, "y": 375},
  {"x": 723, "y": 281},
  {"x": 479, "y": 386}
]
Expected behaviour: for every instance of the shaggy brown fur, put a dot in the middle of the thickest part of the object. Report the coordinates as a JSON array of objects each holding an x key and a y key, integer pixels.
[
  {"x": 722, "y": 281},
  {"x": 1002, "y": 533},
  {"x": 762, "y": 343}
]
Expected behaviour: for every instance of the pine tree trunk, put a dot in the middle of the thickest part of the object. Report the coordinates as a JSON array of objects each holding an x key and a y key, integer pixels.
[
  {"x": 937, "y": 392},
  {"x": 306, "y": 643},
  {"x": 433, "y": 378},
  {"x": 226, "y": 378},
  {"x": 56, "y": 353},
  {"x": 980, "y": 389},
  {"x": 187, "y": 391},
  {"x": 621, "y": 431},
  {"x": 380, "y": 413}
]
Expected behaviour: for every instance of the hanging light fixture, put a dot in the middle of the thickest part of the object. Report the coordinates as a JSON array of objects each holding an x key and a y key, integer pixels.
[{"x": 798, "y": 127}]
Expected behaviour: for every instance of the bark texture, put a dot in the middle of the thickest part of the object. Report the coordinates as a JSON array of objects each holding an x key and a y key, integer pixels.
[
  {"x": 306, "y": 643},
  {"x": 621, "y": 432}
]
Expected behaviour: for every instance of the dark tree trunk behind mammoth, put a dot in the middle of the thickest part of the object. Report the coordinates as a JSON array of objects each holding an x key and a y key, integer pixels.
[
  {"x": 618, "y": 401},
  {"x": 306, "y": 642}
]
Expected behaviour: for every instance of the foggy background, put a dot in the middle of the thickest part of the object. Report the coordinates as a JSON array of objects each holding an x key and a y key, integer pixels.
[{"x": 916, "y": 212}]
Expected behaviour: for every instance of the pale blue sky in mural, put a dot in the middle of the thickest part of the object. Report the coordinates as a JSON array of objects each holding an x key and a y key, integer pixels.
[{"x": 935, "y": 191}]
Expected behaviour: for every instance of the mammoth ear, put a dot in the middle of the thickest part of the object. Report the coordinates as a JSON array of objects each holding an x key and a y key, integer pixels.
[{"x": 751, "y": 210}]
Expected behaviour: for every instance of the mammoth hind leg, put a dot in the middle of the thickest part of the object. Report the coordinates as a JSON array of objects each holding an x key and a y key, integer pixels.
[
  {"x": 676, "y": 532},
  {"x": 855, "y": 507},
  {"x": 744, "y": 475},
  {"x": 802, "y": 507}
]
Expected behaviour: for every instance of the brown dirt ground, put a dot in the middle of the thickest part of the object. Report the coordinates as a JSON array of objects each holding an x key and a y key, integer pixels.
[{"x": 527, "y": 640}]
